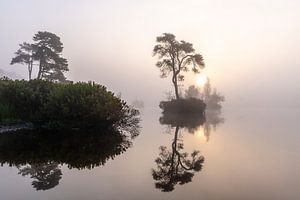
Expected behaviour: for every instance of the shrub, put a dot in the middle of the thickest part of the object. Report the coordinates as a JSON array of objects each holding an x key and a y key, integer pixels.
[
  {"x": 56, "y": 105},
  {"x": 25, "y": 100},
  {"x": 182, "y": 106}
]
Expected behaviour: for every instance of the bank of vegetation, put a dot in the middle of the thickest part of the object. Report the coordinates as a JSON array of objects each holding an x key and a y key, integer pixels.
[{"x": 48, "y": 104}]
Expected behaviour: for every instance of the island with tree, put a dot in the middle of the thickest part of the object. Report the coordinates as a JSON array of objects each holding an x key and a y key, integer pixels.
[
  {"x": 176, "y": 57},
  {"x": 50, "y": 101}
]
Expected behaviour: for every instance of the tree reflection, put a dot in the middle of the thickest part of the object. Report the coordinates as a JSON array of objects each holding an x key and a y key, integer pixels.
[
  {"x": 193, "y": 122},
  {"x": 189, "y": 121},
  {"x": 175, "y": 167},
  {"x": 213, "y": 119},
  {"x": 39, "y": 154},
  {"x": 45, "y": 176}
]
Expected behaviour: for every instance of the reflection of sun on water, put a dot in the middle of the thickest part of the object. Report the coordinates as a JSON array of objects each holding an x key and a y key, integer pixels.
[{"x": 201, "y": 79}]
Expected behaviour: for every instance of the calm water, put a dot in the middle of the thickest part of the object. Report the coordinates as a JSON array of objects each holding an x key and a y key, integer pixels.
[{"x": 243, "y": 154}]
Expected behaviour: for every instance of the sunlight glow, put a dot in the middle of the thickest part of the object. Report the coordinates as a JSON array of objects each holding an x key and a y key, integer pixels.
[
  {"x": 201, "y": 80},
  {"x": 200, "y": 134}
]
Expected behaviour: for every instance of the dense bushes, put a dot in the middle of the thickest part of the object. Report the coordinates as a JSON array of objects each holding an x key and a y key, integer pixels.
[
  {"x": 78, "y": 105},
  {"x": 182, "y": 106}
]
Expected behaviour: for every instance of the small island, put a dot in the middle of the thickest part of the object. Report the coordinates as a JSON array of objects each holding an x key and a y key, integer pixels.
[
  {"x": 175, "y": 58},
  {"x": 52, "y": 102}
]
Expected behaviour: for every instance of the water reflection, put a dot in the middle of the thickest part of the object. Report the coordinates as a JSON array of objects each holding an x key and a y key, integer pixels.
[
  {"x": 212, "y": 120},
  {"x": 176, "y": 166},
  {"x": 45, "y": 175},
  {"x": 191, "y": 122},
  {"x": 40, "y": 154}
]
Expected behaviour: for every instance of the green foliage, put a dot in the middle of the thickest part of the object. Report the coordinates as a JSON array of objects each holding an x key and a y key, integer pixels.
[{"x": 72, "y": 105}]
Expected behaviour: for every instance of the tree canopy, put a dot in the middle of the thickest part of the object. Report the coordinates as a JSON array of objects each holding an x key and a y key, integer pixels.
[
  {"x": 45, "y": 52},
  {"x": 176, "y": 57},
  {"x": 24, "y": 55}
]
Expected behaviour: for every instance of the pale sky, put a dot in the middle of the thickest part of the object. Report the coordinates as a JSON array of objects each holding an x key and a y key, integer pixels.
[{"x": 251, "y": 47}]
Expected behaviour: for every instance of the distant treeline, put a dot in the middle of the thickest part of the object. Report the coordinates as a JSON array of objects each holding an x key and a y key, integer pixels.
[{"x": 72, "y": 105}]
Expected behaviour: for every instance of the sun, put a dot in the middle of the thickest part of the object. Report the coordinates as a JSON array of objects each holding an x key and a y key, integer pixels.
[{"x": 201, "y": 80}]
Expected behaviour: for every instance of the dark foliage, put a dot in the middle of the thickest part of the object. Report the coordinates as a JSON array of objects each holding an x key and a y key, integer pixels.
[
  {"x": 45, "y": 176},
  {"x": 189, "y": 121},
  {"x": 183, "y": 106},
  {"x": 24, "y": 56},
  {"x": 175, "y": 167},
  {"x": 46, "y": 53},
  {"x": 72, "y": 105},
  {"x": 40, "y": 153},
  {"x": 176, "y": 57},
  {"x": 76, "y": 149}
]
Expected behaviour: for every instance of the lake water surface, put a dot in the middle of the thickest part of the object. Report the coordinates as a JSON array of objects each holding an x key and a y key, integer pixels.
[{"x": 244, "y": 154}]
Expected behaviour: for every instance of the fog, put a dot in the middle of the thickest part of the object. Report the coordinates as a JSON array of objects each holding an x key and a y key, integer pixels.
[{"x": 251, "y": 47}]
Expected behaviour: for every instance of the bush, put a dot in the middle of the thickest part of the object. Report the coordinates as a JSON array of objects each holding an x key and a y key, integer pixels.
[
  {"x": 183, "y": 106},
  {"x": 56, "y": 105}
]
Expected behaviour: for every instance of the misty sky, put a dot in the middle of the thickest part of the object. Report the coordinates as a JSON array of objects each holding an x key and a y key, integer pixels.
[{"x": 251, "y": 47}]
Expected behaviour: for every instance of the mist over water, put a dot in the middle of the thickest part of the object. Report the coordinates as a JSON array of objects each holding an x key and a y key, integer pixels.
[
  {"x": 244, "y": 150},
  {"x": 246, "y": 147}
]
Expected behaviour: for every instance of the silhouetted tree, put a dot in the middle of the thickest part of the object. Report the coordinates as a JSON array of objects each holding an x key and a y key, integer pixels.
[
  {"x": 212, "y": 99},
  {"x": 45, "y": 176},
  {"x": 215, "y": 100},
  {"x": 192, "y": 92},
  {"x": 48, "y": 52},
  {"x": 175, "y": 57},
  {"x": 174, "y": 166},
  {"x": 207, "y": 90},
  {"x": 24, "y": 55}
]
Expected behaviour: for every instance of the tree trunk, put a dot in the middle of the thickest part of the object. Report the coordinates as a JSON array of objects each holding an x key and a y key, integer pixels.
[
  {"x": 175, "y": 86},
  {"x": 174, "y": 78},
  {"x": 176, "y": 90},
  {"x": 30, "y": 69},
  {"x": 40, "y": 70},
  {"x": 174, "y": 149}
]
